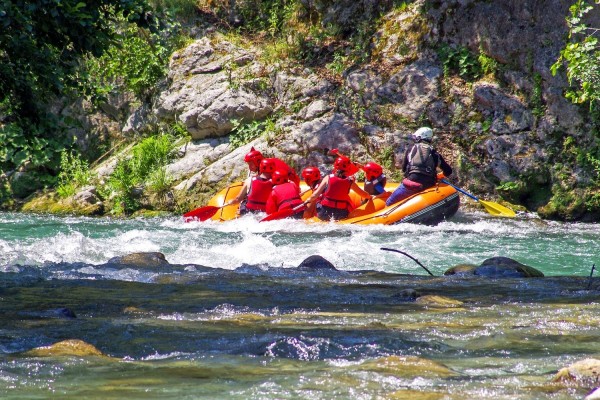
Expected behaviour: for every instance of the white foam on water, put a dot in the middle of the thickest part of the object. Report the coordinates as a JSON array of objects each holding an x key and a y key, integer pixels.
[{"x": 468, "y": 238}]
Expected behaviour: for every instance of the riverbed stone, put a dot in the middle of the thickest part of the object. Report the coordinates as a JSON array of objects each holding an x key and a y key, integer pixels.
[
  {"x": 71, "y": 347},
  {"x": 585, "y": 373},
  {"x": 438, "y": 301},
  {"x": 316, "y": 262},
  {"x": 147, "y": 259},
  {"x": 497, "y": 267},
  {"x": 461, "y": 269},
  {"x": 407, "y": 366}
]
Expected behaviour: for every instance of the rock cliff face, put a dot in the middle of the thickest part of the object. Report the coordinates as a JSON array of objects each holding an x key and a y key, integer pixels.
[{"x": 501, "y": 126}]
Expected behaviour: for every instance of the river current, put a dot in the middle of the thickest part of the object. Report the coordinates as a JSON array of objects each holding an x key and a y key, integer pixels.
[{"x": 232, "y": 317}]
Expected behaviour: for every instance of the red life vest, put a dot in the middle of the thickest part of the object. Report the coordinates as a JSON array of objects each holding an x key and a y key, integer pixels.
[
  {"x": 284, "y": 196},
  {"x": 260, "y": 189},
  {"x": 337, "y": 193}
]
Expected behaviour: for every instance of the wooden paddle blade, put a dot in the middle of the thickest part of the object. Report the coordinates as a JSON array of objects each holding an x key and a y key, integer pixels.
[
  {"x": 497, "y": 209},
  {"x": 201, "y": 213},
  {"x": 288, "y": 212}
]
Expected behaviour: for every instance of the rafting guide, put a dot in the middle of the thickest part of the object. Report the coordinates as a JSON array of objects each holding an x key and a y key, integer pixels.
[{"x": 419, "y": 165}]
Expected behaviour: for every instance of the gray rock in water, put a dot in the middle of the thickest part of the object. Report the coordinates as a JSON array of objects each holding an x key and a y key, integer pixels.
[
  {"x": 496, "y": 267},
  {"x": 407, "y": 295},
  {"x": 506, "y": 267},
  {"x": 149, "y": 259},
  {"x": 316, "y": 263}
]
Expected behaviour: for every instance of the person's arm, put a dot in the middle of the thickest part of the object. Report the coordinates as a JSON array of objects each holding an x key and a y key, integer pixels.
[
  {"x": 317, "y": 192},
  {"x": 405, "y": 160},
  {"x": 242, "y": 194},
  {"x": 359, "y": 191},
  {"x": 444, "y": 166}
]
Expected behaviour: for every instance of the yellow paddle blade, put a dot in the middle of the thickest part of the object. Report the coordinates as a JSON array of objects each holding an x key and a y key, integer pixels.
[{"x": 497, "y": 209}]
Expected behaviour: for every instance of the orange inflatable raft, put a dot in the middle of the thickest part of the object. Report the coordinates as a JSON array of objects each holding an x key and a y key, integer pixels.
[{"x": 429, "y": 207}]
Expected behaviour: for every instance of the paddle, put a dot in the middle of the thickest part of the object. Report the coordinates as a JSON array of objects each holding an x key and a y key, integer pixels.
[
  {"x": 357, "y": 166},
  {"x": 491, "y": 207},
  {"x": 281, "y": 214},
  {"x": 201, "y": 213}
]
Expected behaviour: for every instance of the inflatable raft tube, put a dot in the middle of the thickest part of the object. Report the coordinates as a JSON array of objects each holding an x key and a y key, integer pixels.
[{"x": 428, "y": 207}]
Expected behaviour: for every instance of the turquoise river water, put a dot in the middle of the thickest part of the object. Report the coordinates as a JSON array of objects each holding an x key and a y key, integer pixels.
[{"x": 232, "y": 317}]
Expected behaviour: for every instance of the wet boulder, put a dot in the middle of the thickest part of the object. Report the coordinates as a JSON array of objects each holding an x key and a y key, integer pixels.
[
  {"x": 584, "y": 373},
  {"x": 148, "y": 259},
  {"x": 407, "y": 295},
  {"x": 62, "y": 313},
  {"x": 461, "y": 269},
  {"x": 438, "y": 301},
  {"x": 316, "y": 263},
  {"x": 497, "y": 267},
  {"x": 71, "y": 347}
]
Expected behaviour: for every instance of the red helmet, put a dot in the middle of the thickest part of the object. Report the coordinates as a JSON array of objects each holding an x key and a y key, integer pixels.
[
  {"x": 372, "y": 170},
  {"x": 279, "y": 176},
  {"x": 311, "y": 175},
  {"x": 254, "y": 156},
  {"x": 342, "y": 163},
  {"x": 267, "y": 165}
]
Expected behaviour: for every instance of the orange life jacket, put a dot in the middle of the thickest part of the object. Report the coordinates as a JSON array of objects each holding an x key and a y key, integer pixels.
[
  {"x": 337, "y": 193},
  {"x": 260, "y": 189}
]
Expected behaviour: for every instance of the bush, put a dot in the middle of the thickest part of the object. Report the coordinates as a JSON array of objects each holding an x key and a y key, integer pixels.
[
  {"x": 145, "y": 167},
  {"x": 74, "y": 173}
]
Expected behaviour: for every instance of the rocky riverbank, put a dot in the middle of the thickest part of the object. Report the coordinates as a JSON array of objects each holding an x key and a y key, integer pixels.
[{"x": 477, "y": 72}]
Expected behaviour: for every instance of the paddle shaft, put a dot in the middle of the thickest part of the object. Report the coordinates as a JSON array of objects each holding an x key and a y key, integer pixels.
[{"x": 460, "y": 190}]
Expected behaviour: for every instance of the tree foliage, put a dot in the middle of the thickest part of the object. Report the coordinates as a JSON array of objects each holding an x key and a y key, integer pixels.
[
  {"x": 42, "y": 42},
  {"x": 41, "y": 46},
  {"x": 582, "y": 55}
]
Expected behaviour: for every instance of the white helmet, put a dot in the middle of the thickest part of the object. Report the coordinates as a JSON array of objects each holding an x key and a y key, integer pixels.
[{"x": 423, "y": 133}]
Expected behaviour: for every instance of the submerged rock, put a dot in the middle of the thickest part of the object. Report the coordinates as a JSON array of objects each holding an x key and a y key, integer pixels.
[
  {"x": 461, "y": 269},
  {"x": 583, "y": 373},
  {"x": 438, "y": 301},
  {"x": 407, "y": 366},
  {"x": 71, "y": 347},
  {"x": 149, "y": 259},
  {"x": 316, "y": 263},
  {"x": 407, "y": 294},
  {"x": 497, "y": 267},
  {"x": 63, "y": 312}
]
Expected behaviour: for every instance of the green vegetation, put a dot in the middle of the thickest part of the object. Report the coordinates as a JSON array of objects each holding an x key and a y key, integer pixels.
[
  {"x": 135, "y": 62},
  {"x": 459, "y": 60},
  {"x": 42, "y": 44},
  {"x": 51, "y": 49},
  {"x": 245, "y": 133},
  {"x": 74, "y": 173},
  {"x": 142, "y": 168},
  {"x": 488, "y": 65},
  {"x": 582, "y": 56}
]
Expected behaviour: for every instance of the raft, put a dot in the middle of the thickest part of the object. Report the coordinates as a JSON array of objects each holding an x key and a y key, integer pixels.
[{"x": 428, "y": 207}]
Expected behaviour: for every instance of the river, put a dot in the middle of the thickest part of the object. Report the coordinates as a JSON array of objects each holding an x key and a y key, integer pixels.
[{"x": 233, "y": 318}]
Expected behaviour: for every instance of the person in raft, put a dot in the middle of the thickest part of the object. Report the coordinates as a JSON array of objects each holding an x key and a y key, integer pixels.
[
  {"x": 375, "y": 180},
  {"x": 284, "y": 195},
  {"x": 256, "y": 189},
  {"x": 335, "y": 187},
  {"x": 419, "y": 165},
  {"x": 254, "y": 157},
  {"x": 312, "y": 178}
]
